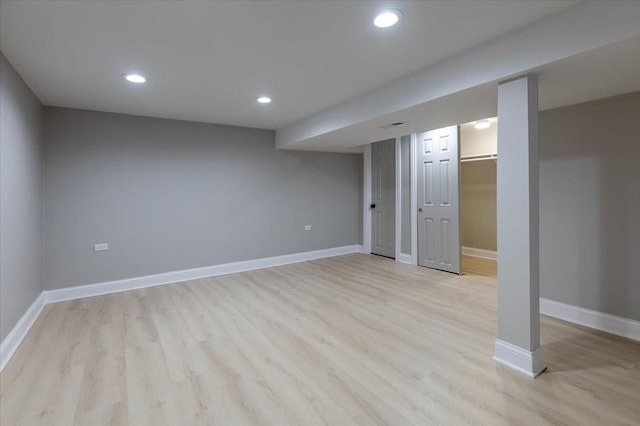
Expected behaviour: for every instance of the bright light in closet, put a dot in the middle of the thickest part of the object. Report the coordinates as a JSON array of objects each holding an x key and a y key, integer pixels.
[{"x": 482, "y": 124}]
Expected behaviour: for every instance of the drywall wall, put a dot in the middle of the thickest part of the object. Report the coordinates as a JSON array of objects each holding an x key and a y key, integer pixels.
[
  {"x": 171, "y": 195},
  {"x": 590, "y": 205},
  {"x": 405, "y": 194},
  {"x": 478, "y": 204},
  {"x": 20, "y": 197}
]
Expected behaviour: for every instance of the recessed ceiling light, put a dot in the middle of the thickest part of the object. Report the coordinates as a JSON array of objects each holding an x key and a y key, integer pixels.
[
  {"x": 135, "y": 78},
  {"x": 482, "y": 124},
  {"x": 387, "y": 19},
  {"x": 264, "y": 99}
]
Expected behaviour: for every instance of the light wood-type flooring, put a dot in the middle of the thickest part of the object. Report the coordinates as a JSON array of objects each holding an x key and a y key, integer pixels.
[
  {"x": 354, "y": 339},
  {"x": 479, "y": 266}
]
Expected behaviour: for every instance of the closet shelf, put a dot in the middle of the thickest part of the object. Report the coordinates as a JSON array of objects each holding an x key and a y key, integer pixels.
[{"x": 479, "y": 157}]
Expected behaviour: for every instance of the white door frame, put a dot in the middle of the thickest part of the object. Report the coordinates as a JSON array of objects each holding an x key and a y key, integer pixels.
[
  {"x": 398, "y": 199},
  {"x": 414, "y": 199}
]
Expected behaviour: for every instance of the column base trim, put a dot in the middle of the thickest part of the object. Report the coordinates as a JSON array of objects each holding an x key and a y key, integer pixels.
[{"x": 529, "y": 363}]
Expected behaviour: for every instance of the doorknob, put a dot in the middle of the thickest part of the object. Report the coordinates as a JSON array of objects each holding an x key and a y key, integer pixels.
[
  {"x": 373, "y": 206},
  {"x": 420, "y": 209}
]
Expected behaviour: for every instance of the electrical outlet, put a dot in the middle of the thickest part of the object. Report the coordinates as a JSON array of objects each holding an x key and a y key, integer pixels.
[
  {"x": 101, "y": 247},
  {"x": 307, "y": 227}
]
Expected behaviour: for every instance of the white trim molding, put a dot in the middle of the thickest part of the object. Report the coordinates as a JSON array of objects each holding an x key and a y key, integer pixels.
[
  {"x": 482, "y": 253},
  {"x": 11, "y": 343},
  {"x": 529, "y": 363},
  {"x": 619, "y": 326},
  {"x": 398, "y": 194},
  {"x": 108, "y": 287},
  {"x": 404, "y": 258},
  {"x": 414, "y": 198}
]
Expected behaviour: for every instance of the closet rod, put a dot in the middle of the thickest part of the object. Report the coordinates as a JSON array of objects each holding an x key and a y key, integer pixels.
[{"x": 479, "y": 158}]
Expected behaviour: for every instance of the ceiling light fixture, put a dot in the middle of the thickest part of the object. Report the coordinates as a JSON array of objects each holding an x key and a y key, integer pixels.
[
  {"x": 135, "y": 78},
  {"x": 482, "y": 124},
  {"x": 387, "y": 19},
  {"x": 264, "y": 99}
]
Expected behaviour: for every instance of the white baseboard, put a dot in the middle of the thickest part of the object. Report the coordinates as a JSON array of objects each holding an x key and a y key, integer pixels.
[
  {"x": 620, "y": 326},
  {"x": 476, "y": 252},
  {"x": 404, "y": 258},
  {"x": 530, "y": 363},
  {"x": 11, "y": 343},
  {"x": 98, "y": 289}
]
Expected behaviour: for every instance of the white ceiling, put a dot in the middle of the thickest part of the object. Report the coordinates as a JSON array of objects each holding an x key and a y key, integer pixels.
[{"x": 208, "y": 61}]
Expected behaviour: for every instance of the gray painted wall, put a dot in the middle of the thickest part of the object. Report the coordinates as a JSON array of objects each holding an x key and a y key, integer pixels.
[
  {"x": 170, "y": 195},
  {"x": 20, "y": 197},
  {"x": 590, "y": 205},
  {"x": 478, "y": 204}
]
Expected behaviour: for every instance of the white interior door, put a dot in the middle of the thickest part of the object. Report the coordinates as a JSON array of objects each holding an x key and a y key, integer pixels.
[
  {"x": 383, "y": 198},
  {"x": 438, "y": 199}
]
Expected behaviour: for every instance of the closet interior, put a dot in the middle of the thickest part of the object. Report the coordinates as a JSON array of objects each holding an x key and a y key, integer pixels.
[{"x": 478, "y": 208}]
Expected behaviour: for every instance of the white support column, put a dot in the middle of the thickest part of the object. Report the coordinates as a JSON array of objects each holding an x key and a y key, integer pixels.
[{"x": 518, "y": 342}]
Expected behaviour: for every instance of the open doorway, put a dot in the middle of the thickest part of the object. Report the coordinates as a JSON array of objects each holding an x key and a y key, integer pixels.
[{"x": 478, "y": 196}]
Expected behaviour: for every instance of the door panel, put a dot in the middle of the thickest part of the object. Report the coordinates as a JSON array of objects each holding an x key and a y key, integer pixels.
[
  {"x": 428, "y": 183},
  {"x": 379, "y": 182},
  {"x": 428, "y": 243},
  {"x": 445, "y": 236},
  {"x": 445, "y": 183},
  {"x": 383, "y": 215},
  {"x": 378, "y": 223},
  {"x": 438, "y": 199}
]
